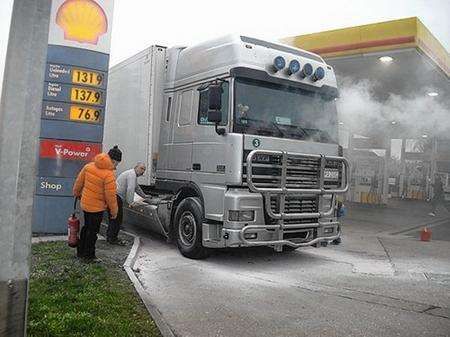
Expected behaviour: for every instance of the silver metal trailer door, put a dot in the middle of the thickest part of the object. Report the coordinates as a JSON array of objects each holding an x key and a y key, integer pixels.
[{"x": 134, "y": 107}]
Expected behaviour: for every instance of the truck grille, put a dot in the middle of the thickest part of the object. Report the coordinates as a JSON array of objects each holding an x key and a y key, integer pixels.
[
  {"x": 295, "y": 204},
  {"x": 301, "y": 172}
]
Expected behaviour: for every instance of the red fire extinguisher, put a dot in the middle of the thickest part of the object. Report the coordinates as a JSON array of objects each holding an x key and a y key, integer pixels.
[{"x": 73, "y": 227}]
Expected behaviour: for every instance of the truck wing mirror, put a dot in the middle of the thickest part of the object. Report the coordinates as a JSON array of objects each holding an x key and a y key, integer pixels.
[
  {"x": 215, "y": 97},
  {"x": 215, "y": 116},
  {"x": 215, "y": 105}
]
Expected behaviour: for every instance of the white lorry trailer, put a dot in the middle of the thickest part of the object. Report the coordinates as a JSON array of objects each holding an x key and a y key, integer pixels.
[{"x": 240, "y": 140}]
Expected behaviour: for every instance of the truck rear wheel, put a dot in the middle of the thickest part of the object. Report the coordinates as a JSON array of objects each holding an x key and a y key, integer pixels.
[{"x": 188, "y": 222}]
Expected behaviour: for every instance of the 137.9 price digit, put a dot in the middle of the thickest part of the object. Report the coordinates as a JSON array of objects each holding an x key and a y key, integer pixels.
[{"x": 85, "y": 96}]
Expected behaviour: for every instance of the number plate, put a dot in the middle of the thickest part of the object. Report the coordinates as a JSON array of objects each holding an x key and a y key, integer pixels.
[
  {"x": 85, "y": 114},
  {"x": 87, "y": 77},
  {"x": 331, "y": 174},
  {"x": 84, "y": 95}
]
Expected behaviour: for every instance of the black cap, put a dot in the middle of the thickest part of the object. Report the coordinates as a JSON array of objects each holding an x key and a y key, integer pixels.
[{"x": 115, "y": 153}]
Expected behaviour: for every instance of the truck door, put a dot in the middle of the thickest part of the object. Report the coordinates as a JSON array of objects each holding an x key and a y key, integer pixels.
[
  {"x": 180, "y": 163},
  {"x": 209, "y": 154}
]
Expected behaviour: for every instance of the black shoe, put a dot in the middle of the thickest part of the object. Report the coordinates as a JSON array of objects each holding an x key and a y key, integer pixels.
[{"x": 93, "y": 259}]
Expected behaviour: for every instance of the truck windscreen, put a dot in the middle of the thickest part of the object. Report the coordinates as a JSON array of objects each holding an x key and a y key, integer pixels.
[{"x": 264, "y": 108}]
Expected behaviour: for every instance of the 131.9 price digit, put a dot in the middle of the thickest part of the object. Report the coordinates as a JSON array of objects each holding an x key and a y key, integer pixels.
[{"x": 87, "y": 77}]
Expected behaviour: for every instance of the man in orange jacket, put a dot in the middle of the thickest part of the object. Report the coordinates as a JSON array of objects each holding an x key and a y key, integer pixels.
[{"x": 96, "y": 185}]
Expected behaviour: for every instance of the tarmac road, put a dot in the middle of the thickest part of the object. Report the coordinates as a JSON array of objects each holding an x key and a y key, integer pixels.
[{"x": 374, "y": 284}]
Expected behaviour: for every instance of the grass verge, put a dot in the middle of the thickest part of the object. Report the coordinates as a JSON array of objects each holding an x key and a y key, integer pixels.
[{"x": 69, "y": 298}]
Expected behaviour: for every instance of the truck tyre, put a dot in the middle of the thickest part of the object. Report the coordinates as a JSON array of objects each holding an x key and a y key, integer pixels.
[{"x": 188, "y": 222}]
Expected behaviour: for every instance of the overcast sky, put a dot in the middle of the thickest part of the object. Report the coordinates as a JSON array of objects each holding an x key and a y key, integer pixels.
[{"x": 140, "y": 23}]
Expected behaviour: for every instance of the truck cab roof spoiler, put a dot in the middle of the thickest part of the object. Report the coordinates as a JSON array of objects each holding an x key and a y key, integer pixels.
[{"x": 282, "y": 47}]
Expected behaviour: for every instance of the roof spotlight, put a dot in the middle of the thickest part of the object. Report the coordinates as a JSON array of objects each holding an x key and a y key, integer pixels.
[
  {"x": 294, "y": 66},
  {"x": 279, "y": 63},
  {"x": 318, "y": 74},
  {"x": 433, "y": 94},
  {"x": 307, "y": 70}
]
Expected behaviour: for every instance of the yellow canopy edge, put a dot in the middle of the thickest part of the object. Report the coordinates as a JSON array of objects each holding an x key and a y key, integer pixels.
[{"x": 376, "y": 37}]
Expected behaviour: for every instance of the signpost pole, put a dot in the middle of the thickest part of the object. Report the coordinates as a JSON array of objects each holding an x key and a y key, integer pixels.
[{"x": 20, "y": 111}]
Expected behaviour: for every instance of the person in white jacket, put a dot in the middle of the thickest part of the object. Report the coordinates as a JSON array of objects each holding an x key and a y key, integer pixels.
[{"x": 127, "y": 185}]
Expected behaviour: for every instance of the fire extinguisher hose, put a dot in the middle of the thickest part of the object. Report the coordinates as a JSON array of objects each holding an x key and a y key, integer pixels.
[{"x": 74, "y": 207}]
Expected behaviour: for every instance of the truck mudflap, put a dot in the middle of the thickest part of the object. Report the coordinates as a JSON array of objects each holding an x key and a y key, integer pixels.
[{"x": 284, "y": 188}]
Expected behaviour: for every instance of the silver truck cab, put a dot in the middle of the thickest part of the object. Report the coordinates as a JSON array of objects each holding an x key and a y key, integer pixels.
[{"x": 247, "y": 151}]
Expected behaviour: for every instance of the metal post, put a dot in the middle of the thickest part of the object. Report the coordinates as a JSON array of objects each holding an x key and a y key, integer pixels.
[
  {"x": 20, "y": 110},
  {"x": 387, "y": 156},
  {"x": 402, "y": 189}
]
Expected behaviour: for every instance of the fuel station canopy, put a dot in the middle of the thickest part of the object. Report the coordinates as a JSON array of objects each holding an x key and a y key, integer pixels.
[{"x": 399, "y": 57}]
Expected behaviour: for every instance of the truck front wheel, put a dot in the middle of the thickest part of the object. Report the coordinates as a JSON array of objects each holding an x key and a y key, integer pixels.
[{"x": 188, "y": 225}]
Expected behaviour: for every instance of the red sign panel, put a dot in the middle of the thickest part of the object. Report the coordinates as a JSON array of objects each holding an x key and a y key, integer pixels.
[{"x": 67, "y": 150}]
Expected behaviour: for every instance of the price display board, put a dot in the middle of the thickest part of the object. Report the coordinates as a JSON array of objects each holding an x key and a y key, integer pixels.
[
  {"x": 62, "y": 73},
  {"x": 74, "y": 94},
  {"x": 72, "y": 112},
  {"x": 73, "y": 107}
]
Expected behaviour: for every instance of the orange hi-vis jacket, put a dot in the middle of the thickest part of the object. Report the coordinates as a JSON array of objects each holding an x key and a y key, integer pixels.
[{"x": 96, "y": 184}]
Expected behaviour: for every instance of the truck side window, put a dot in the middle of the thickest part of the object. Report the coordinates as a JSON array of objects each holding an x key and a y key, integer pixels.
[
  {"x": 169, "y": 106},
  {"x": 185, "y": 107},
  {"x": 203, "y": 106}
]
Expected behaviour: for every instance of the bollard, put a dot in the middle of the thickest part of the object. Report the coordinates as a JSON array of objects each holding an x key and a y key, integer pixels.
[{"x": 425, "y": 234}]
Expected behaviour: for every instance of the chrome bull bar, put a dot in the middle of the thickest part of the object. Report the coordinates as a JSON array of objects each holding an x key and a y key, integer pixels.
[
  {"x": 282, "y": 242},
  {"x": 283, "y": 191}
]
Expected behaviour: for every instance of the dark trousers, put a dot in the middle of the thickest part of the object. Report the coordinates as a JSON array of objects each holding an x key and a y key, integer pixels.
[
  {"x": 115, "y": 224},
  {"x": 88, "y": 234}
]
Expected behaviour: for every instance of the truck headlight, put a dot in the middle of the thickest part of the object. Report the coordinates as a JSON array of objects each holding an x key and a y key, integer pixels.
[
  {"x": 241, "y": 215},
  {"x": 327, "y": 199}
]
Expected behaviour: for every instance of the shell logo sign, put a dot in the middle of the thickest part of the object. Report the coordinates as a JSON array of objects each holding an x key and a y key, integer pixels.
[
  {"x": 83, "y": 24},
  {"x": 83, "y": 21}
]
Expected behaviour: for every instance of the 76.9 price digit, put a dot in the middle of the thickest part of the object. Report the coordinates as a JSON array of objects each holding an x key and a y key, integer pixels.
[
  {"x": 88, "y": 114},
  {"x": 85, "y": 114}
]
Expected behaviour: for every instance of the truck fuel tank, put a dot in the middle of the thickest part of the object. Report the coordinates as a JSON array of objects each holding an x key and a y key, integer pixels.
[{"x": 152, "y": 213}]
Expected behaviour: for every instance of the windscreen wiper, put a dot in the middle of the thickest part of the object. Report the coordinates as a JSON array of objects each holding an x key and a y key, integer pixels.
[
  {"x": 323, "y": 134},
  {"x": 307, "y": 132},
  {"x": 265, "y": 123}
]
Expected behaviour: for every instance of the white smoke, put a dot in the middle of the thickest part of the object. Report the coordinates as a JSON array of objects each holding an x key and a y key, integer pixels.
[{"x": 361, "y": 111}]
